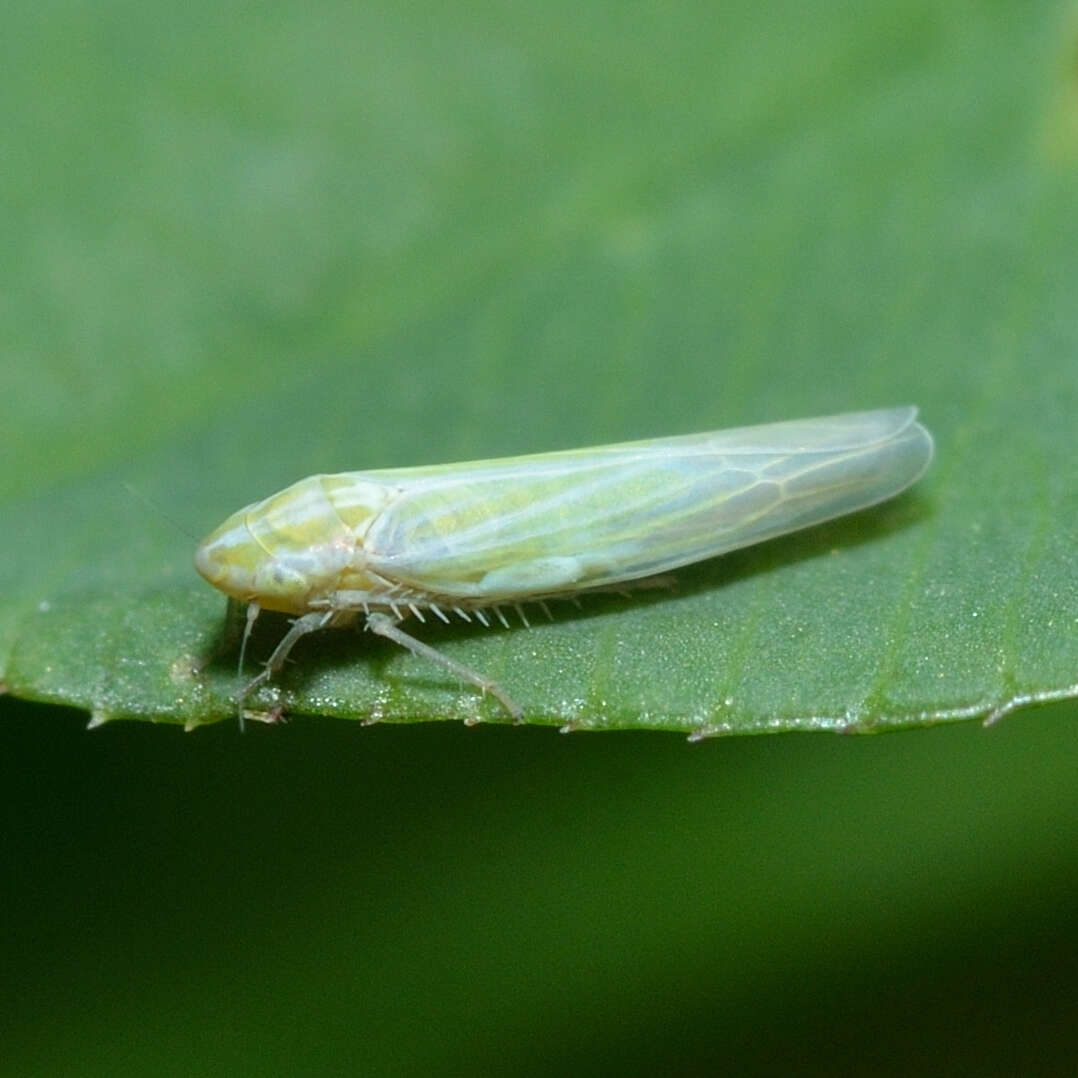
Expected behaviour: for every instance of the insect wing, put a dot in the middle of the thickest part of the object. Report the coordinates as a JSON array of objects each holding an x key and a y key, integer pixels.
[{"x": 536, "y": 525}]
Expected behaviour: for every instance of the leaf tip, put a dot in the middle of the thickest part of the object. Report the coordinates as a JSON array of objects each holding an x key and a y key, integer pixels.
[{"x": 98, "y": 718}]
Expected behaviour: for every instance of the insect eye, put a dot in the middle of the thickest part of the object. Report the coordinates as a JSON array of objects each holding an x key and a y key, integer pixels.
[{"x": 276, "y": 578}]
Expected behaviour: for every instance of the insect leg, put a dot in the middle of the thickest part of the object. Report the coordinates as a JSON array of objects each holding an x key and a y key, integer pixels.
[
  {"x": 663, "y": 581},
  {"x": 308, "y": 623},
  {"x": 384, "y": 625},
  {"x": 253, "y": 610}
]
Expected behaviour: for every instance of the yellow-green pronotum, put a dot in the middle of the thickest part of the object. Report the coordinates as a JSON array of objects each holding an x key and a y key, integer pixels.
[{"x": 474, "y": 537}]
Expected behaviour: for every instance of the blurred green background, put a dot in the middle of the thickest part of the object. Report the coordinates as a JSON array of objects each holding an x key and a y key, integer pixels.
[{"x": 242, "y": 244}]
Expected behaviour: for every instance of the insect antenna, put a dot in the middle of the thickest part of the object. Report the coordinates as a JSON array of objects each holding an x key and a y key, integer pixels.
[{"x": 150, "y": 504}]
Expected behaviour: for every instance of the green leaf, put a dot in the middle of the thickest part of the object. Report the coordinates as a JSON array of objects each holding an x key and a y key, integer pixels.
[{"x": 483, "y": 241}]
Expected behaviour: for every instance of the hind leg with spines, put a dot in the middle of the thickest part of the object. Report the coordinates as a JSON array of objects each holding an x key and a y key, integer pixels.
[{"x": 385, "y": 625}]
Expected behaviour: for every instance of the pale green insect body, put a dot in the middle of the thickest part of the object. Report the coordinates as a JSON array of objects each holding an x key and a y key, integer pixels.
[{"x": 480, "y": 535}]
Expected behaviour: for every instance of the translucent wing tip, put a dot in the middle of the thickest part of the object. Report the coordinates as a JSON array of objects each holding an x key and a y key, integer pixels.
[
  {"x": 925, "y": 443},
  {"x": 903, "y": 448},
  {"x": 920, "y": 447},
  {"x": 896, "y": 437}
]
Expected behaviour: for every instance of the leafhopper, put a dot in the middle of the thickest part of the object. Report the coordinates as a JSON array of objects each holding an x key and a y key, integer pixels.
[{"x": 471, "y": 539}]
